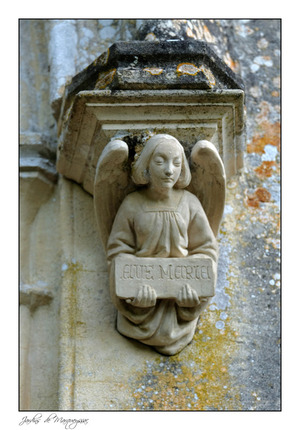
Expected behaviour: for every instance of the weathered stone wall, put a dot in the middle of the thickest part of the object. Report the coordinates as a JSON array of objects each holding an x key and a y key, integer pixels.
[{"x": 68, "y": 338}]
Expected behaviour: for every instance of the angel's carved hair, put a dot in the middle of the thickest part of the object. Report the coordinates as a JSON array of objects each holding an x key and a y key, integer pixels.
[{"x": 139, "y": 172}]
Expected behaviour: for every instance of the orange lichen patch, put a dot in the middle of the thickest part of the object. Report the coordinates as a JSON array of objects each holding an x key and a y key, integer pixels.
[
  {"x": 275, "y": 93},
  {"x": 196, "y": 32},
  {"x": 263, "y": 195},
  {"x": 187, "y": 69},
  {"x": 208, "y": 37},
  {"x": 234, "y": 65},
  {"x": 260, "y": 195},
  {"x": 252, "y": 201},
  {"x": 266, "y": 169},
  {"x": 154, "y": 70},
  {"x": 266, "y": 57},
  {"x": 190, "y": 34},
  {"x": 278, "y": 224},
  {"x": 268, "y": 134},
  {"x": 105, "y": 79},
  {"x": 199, "y": 32},
  {"x": 192, "y": 70}
]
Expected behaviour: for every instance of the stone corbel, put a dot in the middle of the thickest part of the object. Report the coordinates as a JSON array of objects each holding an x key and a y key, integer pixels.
[
  {"x": 34, "y": 296},
  {"x": 175, "y": 87},
  {"x": 37, "y": 158},
  {"x": 139, "y": 102}
]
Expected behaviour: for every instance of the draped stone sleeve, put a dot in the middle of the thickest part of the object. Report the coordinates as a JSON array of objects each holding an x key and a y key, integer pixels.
[
  {"x": 201, "y": 239},
  {"x": 122, "y": 236}
]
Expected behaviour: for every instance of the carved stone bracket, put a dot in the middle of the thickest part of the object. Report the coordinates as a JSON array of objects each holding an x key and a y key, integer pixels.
[
  {"x": 98, "y": 116},
  {"x": 176, "y": 87},
  {"x": 37, "y": 157},
  {"x": 172, "y": 114},
  {"x": 34, "y": 296}
]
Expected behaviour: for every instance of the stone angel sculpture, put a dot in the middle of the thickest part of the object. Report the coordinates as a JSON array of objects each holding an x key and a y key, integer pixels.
[{"x": 164, "y": 210}]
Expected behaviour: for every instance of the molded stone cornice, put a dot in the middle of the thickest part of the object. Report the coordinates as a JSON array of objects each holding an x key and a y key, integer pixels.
[
  {"x": 37, "y": 155},
  {"x": 34, "y": 296},
  {"x": 138, "y": 65}
]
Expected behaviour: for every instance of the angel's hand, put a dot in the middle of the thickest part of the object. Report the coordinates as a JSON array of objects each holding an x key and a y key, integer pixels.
[
  {"x": 145, "y": 298},
  {"x": 187, "y": 297}
]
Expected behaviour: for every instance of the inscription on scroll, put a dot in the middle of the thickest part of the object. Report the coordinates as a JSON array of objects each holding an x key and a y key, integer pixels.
[{"x": 165, "y": 275}]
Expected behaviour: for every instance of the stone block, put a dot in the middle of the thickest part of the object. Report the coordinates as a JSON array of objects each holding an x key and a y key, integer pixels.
[{"x": 166, "y": 275}]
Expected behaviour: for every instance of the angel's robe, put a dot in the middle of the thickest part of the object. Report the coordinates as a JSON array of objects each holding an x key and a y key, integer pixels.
[{"x": 146, "y": 228}]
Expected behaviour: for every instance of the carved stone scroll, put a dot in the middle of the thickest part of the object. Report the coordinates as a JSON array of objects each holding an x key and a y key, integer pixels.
[{"x": 165, "y": 275}]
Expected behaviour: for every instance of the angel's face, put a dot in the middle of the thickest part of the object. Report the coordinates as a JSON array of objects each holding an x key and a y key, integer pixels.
[{"x": 165, "y": 166}]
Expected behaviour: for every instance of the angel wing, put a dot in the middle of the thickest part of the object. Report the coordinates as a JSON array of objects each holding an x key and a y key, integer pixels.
[
  {"x": 208, "y": 181},
  {"x": 112, "y": 184}
]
